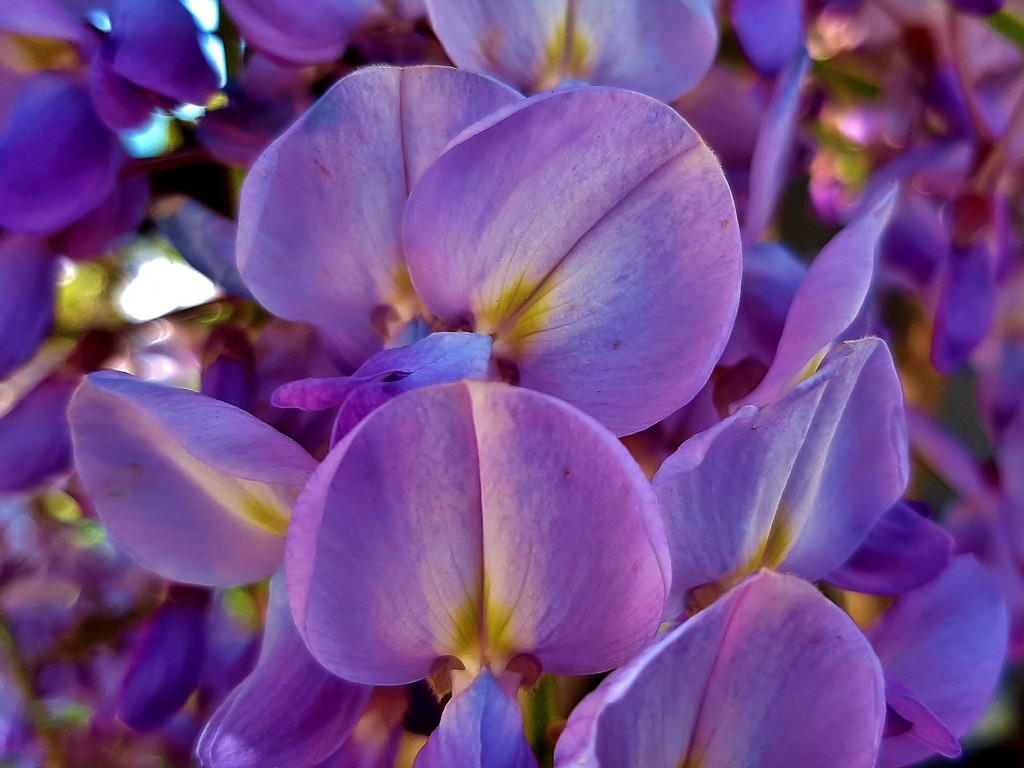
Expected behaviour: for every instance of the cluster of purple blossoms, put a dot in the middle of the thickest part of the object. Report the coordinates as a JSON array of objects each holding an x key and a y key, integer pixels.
[{"x": 622, "y": 384}]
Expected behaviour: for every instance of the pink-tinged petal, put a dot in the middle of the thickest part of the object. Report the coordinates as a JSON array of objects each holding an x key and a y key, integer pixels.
[
  {"x": 193, "y": 488},
  {"x": 902, "y": 552},
  {"x": 310, "y": 32},
  {"x": 771, "y": 32},
  {"x": 481, "y": 727},
  {"x": 797, "y": 485},
  {"x": 205, "y": 239},
  {"x": 57, "y": 160},
  {"x": 772, "y": 675},
  {"x": 27, "y": 275},
  {"x": 945, "y": 644},
  {"x": 563, "y": 254},
  {"x": 289, "y": 711},
  {"x": 773, "y": 150},
  {"x": 404, "y": 530},
  {"x": 574, "y": 542},
  {"x": 827, "y": 302},
  {"x": 156, "y": 48},
  {"x": 476, "y": 519},
  {"x": 350, "y": 162},
  {"x": 168, "y": 661},
  {"x": 34, "y": 441},
  {"x": 658, "y": 47}
]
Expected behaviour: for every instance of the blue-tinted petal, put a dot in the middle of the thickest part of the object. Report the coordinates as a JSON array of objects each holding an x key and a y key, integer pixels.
[
  {"x": 903, "y": 551},
  {"x": 57, "y": 160},
  {"x": 27, "y": 274},
  {"x": 481, "y": 728},
  {"x": 167, "y": 662},
  {"x": 289, "y": 711}
]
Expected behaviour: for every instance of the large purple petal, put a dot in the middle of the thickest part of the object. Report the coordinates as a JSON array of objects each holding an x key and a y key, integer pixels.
[
  {"x": 658, "y": 47},
  {"x": 771, "y": 676},
  {"x": 771, "y": 32},
  {"x": 289, "y": 711},
  {"x": 563, "y": 255},
  {"x": 481, "y": 727},
  {"x": 57, "y": 160},
  {"x": 902, "y": 552},
  {"x": 193, "y": 488},
  {"x": 944, "y": 643},
  {"x": 349, "y": 162},
  {"x": 156, "y": 48},
  {"x": 827, "y": 302},
  {"x": 167, "y": 662},
  {"x": 27, "y": 275},
  {"x": 310, "y": 32},
  {"x": 34, "y": 440},
  {"x": 478, "y": 521},
  {"x": 797, "y": 485}
]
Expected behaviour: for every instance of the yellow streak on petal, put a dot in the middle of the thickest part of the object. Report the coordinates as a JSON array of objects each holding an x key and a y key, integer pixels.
[
  {"x": 258, "y": 504},
  {"x": 478, "y": 634},
  {"x": 28, "y": 54},
  {"x": 519, "y": 313},
  {"x": 774, "y": 547},
  {"x": 566, "y": 56},
  {"x": 811, "y": 368}
]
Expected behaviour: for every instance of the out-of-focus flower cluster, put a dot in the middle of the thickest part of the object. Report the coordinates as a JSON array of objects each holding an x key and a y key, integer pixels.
[{"x": 462, "y": 383}]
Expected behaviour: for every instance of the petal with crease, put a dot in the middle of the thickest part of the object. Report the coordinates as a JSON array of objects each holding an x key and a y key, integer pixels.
[
  {"x": 478, "y": 521},
  {"x": 827, "y": 302},
  {"x": 795, "y": 486},
  {"x": 770, "y": 676},
  {"x": 350, "y": 162},
  {"x": 945, "y": 644},
  {"x": 563, "y": 255},
  {"x": 289, "y": 711},
  {"x": 194, "y": 489}
]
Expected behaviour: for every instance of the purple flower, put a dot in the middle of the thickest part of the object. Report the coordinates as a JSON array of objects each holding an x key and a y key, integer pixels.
[
  {"x": 658, "y": 47},
  {"x": 796, "y": 485},
  {"x": 193, "y": 488},
  {"x": 771, "y": 675},
  {"x": 559, "y": 256},
  {"x": 470, "y": 530}
]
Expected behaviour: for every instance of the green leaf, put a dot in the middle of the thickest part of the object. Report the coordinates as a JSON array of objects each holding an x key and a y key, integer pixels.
[{"x": 1009, "y": 26}]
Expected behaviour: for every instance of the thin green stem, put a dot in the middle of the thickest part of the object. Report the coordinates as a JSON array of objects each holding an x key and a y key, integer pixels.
[{"x": 21, "y": 674}]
